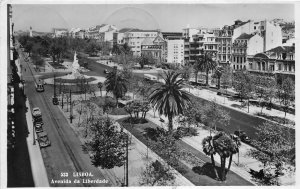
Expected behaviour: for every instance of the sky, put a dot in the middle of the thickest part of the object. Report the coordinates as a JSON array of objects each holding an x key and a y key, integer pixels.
[{"x": 166, "y": 17}]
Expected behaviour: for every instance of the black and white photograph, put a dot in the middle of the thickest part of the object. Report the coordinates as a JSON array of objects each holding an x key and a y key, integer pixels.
[{"x": 148, "y": 93}]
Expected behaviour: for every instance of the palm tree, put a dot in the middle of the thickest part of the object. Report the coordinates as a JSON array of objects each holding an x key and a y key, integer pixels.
[
  {"x": 117, "y": 84},
  {"x": 206, "y": 63},
  {"x": 169, "y": 98},
  {"x": 100, "y": 85},
  {"x": 223, "y": 145}
]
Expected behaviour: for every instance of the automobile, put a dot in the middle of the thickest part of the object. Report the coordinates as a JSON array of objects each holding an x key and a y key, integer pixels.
[
  {"x": 55, "y": 100},
  {"x": 106, "y": 71},
  {"x": 38, "y": 120},
  {"x": 243, "y": 136},
  {"x": 36, "y": 112},
  {"x": 38, "y": 127},
  {"x": 43, "y": 139},
  {"x": 161, "y": 120}
]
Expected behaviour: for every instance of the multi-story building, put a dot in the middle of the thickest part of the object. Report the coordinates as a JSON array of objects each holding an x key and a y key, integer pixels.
[
  {"x": 135, "y": 37},
  {"x": 202, "y": 41},
  {"x": 224, "y": 40},
  {"x": 175, "y": 52},
  {"x": 60, "y": 32},
  {"x": 168, "y": 36},
  {"x": 270, "y": 32},
  {"x": 279, "y": 60},
  {"x": 245, "y": 46}
]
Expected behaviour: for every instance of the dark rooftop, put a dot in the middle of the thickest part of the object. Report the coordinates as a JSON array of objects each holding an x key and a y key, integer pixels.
[{"x": 245, "y": 36}]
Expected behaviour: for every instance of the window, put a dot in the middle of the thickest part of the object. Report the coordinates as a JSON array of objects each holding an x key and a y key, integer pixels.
[
  {"x": 279, "y": 66},
  {"x": 291, "y": 57},
  {"x": 224, "y": 58},
  {"x": 255, "y": 27},
  {"x": 234, "y": 67},
  {"x": 244, "y": 59}
]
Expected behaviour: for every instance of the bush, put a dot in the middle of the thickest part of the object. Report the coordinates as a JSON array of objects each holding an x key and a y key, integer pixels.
[{"x": 185, "y": 132}]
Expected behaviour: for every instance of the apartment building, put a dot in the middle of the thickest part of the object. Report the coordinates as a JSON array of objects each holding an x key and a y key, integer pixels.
[
  {"x": 135, "y": 37},
  {"x": 175, "y": 51},
  {"x": 270, "y": 31},
  {"x": 243, "y": 47},
  {"x": 279, "y": 60},
  {"x": 224, "y": 40},
  {"x": 153, "y": 48},
  {"x": 196, "y": 41},
  {"x": 168, "y": 36}
]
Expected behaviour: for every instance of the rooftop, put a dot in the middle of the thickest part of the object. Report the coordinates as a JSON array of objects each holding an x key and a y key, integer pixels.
[{"x": 245, "y": 36}]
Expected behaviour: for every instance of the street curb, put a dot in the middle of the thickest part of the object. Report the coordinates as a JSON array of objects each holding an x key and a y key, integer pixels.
[{"x": 39, "y": 172}]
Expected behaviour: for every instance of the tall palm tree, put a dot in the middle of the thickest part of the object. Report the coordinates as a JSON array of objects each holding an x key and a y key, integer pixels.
[
  {"x": 100, "y": 85},
  {"x": 117, "y": 84},
  {"x": 206, "y": 63},
  {"x": 169, "y": 98}
]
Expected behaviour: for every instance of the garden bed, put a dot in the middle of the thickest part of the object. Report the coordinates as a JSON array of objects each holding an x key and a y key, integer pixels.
[
  {"x": 60, "y": 80},
  {"x": 198, "y": 175}
]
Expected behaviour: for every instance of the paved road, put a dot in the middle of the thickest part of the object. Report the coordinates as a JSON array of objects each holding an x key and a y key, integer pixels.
[
  {"x": 65, "y": 154},
  {"x": 238, "y": 120}
]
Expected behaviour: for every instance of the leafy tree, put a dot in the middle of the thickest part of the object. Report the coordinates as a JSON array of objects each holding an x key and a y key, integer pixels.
[
  {"x": 244, "y": 85},
  {"x": 157, "y": 174},
  {"x": 186, "y": 73},
  {"x": 117, "y": 84},
  {"x": 169, "y": 98},
  {"x": 137, "y": 106},
  {"x": 165, "y": 146},
  {"x": 288, "y": 93},
  {"x": 107, "y": 144},
  {"x": 224, "y": 146},
  {"x": 145, "y": 59},
  {"x": 214, "y": 114},
  {"x": 218, "y": 73},
  {"x": 92, "y": 48},
  {"x": 276, "y": 147}
]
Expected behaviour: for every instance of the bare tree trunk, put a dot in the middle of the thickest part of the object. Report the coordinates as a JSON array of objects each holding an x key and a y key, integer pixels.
[
  {"x": 223, "y": 169},
  {"x": 230, "y": 161},
  {"x": 207, "y": 70},
  {"x": 214, "y": 166},
  {"x": 170, "y": 125}
]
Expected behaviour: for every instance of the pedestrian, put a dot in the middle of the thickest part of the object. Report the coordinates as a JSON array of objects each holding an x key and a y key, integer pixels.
[{"x": 25, "y": 69}]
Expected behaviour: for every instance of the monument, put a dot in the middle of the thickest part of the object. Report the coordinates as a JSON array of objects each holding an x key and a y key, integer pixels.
[{"x": 76, "y": 68}]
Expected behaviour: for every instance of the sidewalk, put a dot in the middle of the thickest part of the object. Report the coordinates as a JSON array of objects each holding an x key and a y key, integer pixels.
[
  {"x": 36, "y": 160},
  {"x": 241, "y": 163}
]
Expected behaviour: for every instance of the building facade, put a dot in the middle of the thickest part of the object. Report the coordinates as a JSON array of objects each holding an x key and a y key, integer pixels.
[
  {"x": 244, "y": 46},
  {"x": 175, "y": 52},
  {"x": 224, "y": 40},
  {"x": 279, "y": 60},
  {"x": 269, "y": 31},
  {"x": 135, "y": 37}
]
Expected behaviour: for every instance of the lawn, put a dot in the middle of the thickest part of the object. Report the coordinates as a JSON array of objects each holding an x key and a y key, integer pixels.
[
  {"x": 200, "y": 175},
  {"x": 57, "y": 66}
]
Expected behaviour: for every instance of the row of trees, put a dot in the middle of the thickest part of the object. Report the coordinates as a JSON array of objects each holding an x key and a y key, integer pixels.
[{"x": 265, "y": 88}]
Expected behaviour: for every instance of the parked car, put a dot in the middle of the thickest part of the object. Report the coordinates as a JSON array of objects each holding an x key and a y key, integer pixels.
[
  {"x": 106, "y": 71},
  {"x": 43, "y": 139},
  {"x": 243, "y": 136},
  {"x": 38, "y": 127},
  {"x": 36, "y": 112}
]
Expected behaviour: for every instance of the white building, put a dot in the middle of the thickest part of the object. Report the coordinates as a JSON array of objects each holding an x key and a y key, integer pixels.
[
  {"x": 175, "y": 53},
  {"x": 270, "y": 32},
  {"x": 60, "y": 32},
  {"x": 245, "y": 46},
  {"x": 135, "y": 37}
]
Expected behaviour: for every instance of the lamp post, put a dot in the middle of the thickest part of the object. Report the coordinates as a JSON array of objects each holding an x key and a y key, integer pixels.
[{"x": 71, "y": 108}]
